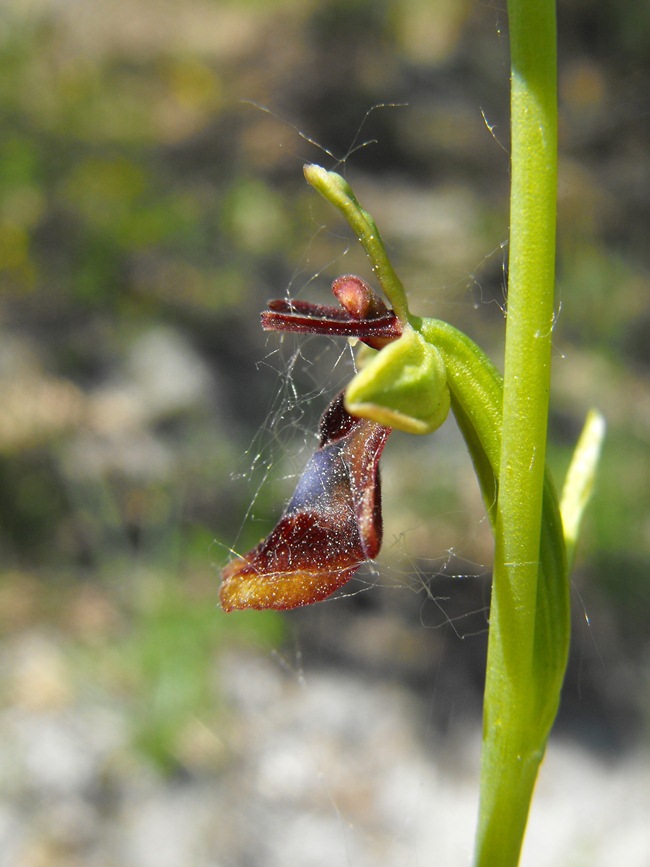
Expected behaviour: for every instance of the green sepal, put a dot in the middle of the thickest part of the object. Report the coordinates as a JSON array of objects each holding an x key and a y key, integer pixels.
[{"x": 404, "y": 386}]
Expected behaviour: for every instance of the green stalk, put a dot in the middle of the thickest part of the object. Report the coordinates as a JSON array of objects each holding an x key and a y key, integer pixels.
[{"x": 525, "y": 671}]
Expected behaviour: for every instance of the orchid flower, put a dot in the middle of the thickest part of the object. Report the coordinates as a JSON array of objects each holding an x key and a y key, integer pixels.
[{"x": 333, "y": 522}]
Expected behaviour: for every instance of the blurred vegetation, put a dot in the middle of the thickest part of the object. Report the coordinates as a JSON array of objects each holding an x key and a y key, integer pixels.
[{"x": 147, "y": 212}]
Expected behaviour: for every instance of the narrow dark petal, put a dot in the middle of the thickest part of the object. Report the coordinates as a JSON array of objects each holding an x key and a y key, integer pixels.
[
  {"x": 307, "y": 318},
  {"x": 330, "y": 527},
  {"x": 362, "y": 314},
  {"x": 309, "y": 309}
]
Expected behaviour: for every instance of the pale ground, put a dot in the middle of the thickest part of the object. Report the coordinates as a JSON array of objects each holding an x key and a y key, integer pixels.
[{"x": 314, "y": 769}]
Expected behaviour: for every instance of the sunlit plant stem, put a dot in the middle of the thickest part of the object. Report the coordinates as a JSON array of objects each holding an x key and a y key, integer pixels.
[{"x": 524, "y": 672}]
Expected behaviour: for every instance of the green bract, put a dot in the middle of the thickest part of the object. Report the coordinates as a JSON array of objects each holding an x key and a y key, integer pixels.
[{"x": 404, "y": 386}]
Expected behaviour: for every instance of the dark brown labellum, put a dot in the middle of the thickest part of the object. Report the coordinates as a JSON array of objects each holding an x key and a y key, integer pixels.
[{"x": 330, "y": 527}]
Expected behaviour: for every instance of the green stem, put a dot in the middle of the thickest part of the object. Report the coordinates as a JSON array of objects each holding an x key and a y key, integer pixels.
[
  {"x": 476, "y": 399},
  {"x": 521, "y": 693}
]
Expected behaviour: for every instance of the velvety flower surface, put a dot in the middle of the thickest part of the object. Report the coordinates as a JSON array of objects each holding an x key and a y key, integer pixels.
[{"x": 331, "y": 526}]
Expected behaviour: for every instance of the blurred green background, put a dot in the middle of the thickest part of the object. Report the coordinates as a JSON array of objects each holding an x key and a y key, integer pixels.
[{"x": 148, "y": 210}]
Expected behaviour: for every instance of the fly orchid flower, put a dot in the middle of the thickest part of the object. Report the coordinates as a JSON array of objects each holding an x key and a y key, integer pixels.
[{"x": 333, "y": 522}]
